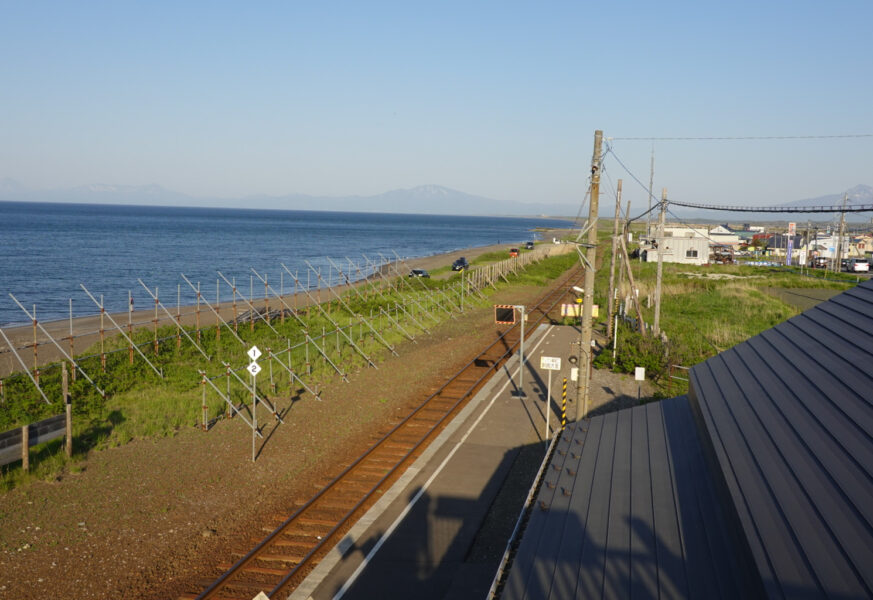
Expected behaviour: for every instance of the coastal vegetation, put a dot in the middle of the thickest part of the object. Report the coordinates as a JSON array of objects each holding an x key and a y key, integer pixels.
[{"x": 138, "y": 403}]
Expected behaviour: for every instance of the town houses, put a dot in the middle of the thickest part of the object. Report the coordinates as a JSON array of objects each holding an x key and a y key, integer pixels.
[{"x": 795, "y": 244}]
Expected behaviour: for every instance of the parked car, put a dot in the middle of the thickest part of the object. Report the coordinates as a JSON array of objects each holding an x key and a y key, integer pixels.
[
  {"x": 419, "y": 273},
  {"x": 844, "y": 264},
  {"x": 818, "y": 262},
  {"x": 513, "y": 252},
  {"x": 858, "y": 265},
  {"x": 529, "y": 245},
  {"x": 460, "y": 264}
]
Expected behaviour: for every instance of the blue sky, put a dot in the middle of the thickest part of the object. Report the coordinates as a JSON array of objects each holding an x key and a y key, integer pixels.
[{"x": 499, "y": 99}]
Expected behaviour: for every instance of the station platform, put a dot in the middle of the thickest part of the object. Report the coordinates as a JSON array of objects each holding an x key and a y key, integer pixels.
[{"x": 441, "y": 530}]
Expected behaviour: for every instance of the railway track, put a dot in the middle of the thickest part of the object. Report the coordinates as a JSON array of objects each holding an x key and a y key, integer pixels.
[{"x": 295, "y": 545}]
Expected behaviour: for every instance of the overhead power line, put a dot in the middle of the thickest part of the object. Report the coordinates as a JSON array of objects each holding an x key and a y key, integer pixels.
[
  {"x": 746, "y": 137},
  {"x": 779, "y": 209}
]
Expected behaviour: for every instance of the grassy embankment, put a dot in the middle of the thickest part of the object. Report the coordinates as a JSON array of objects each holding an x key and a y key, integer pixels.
[
  {"x": 139, "y": 404},
  {"x": 704, "y": 310}
]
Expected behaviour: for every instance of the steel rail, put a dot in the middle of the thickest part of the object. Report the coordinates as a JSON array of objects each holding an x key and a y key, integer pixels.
[{"x": 554, "y": 295}]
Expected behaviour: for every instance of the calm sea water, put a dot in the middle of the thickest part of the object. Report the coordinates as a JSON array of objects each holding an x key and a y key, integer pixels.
[{"x": 47, "y": 250}]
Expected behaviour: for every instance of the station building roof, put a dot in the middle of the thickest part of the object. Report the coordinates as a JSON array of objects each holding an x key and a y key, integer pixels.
[{"x": 758, "y": 483}]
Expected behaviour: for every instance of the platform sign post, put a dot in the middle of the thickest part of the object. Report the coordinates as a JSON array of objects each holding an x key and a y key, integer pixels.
[
  {"x": 640, "y": 376},
  {"x": 550, "y": 363},
  {"x": 254, "y": 368},
  {"x": 520, "y": 309}
]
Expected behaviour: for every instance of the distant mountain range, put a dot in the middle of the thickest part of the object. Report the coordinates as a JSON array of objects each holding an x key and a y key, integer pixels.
[{"x": 426, "y": 199}]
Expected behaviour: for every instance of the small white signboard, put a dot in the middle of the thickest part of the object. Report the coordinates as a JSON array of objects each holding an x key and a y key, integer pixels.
[
  {"x": 552, "y": 363},
  {"x": 254, "y": 353},
  {"x": 574, "y": 374},
  {"x": 253, "y": 368},
  {"x": 640, "y": 374}
]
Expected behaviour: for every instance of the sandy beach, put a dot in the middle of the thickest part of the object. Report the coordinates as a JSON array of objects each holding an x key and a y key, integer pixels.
[{"x": 86, "y": 329}]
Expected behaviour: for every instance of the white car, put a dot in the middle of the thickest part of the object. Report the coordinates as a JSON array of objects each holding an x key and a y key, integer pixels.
[{"x": 858, "y": 265}]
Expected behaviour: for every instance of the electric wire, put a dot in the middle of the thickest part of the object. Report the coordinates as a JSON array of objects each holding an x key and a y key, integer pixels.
[{"x": 745, "y": 137}]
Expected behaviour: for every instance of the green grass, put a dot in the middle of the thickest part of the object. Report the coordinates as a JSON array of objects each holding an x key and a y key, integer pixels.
[
  {"x": 140, "y": 404},
  {"x": 702, "y": 311}
]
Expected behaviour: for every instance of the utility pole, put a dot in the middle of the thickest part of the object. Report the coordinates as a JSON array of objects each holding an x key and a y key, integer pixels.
[
  {"x": 611, "y": 300},
  {"x": 651, "y": 180},
  {"x": 588, "y": 304},
  {"x": 838, "y": 265},
  {"x": 660, "y": 238}
]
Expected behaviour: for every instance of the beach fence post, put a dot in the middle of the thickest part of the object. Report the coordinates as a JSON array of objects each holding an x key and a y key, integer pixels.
[
  {"x": 72, "y": 348},
  {"x": 102, "y": 336},
  {"x": 229, "y": 412},
  {"x": 68, "y": 408},
  {"x": 266, "y": 300},
  {"x": 25, "y": 448},
  {"x": 282, "y": 294},
  {"x": 235, "y": 320},
  {"x": 270, "y": 362},
  {"x": 178, "y": 317},
  {"x": 203, "y": 406},
  {"x": 130, "y": 326},
  {"x": 218, "y": 310},
  {"x": 196, "y": 313},
  {"x": 156, "y": 321},
  {"x": 35, "y": 353}
]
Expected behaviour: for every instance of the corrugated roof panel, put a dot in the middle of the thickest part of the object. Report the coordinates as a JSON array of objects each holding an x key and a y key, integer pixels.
[
  {"x": 631, "y": 513},
  {"x": 789, "y": 418}
]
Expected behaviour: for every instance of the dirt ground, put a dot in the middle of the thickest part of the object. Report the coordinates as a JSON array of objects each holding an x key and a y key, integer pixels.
[{"x": 153, "y": 518}]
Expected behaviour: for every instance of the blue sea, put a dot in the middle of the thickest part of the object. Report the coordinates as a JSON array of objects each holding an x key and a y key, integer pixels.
[{"x": 48, "y": 250}]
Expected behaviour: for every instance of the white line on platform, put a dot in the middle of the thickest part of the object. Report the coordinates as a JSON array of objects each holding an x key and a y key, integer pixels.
[{"x": 423, "y": 489}]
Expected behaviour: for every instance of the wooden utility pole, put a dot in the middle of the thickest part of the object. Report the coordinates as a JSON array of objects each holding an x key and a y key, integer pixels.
[
  {"x": 660, "y": 238},
  {"x": 651, "y": 181},
  {"x": 588, "y": 304},
  {"x": 610, "y": 311},
  {"x": 838, "y": 265}
]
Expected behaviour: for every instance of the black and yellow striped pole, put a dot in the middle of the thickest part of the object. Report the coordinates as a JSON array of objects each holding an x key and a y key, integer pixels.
[{"x": 564, "y": 405}]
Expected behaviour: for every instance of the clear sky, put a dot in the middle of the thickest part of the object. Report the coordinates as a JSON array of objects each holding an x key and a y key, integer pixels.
[{"x": 499, "y": 99}]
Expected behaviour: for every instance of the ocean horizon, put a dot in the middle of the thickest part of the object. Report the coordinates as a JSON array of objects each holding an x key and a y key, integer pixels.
[{"x": 50, "y": 249}]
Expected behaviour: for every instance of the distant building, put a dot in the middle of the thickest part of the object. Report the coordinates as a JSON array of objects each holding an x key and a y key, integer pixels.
[
  {"x": 723, "y": 235},
  {"x": 684, "y": 250}
]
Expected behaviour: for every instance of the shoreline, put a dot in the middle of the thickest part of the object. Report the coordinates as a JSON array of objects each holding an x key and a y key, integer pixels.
[{"x": 86, "y": 328}]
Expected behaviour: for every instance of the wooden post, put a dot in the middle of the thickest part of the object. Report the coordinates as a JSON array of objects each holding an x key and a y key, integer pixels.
[
  {"x": 266, "y": 300},
  {"x": 197, "y": 313},
  {"x": 218, "y": 310},
  {"x": 68, "y": 406},
  {"x": 588, "y": 304},
  {"x": 129, "y": 327},
  {"x": 611, "y": 300},
  {"x": 102, "y": 336},
  {"x": 178, "y": 317},
  {"x": 203, "y": 406},
  {"x": 35, "y": 356},
  {"x": 660, "y": 237},
  {"x": 156, "y": 321},
  {"x": 25, "y": 449},
  {"x": 72, "y": 348},
  {"x": 630, "y": 277}
]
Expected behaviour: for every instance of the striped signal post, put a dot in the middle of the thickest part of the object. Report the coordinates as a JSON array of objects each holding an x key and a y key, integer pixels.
[{"x": 564, "y": 405}]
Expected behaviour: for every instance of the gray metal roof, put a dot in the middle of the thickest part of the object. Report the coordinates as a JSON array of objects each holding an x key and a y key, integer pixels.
[
  {"x": 627, "y": 509},
  {"x": 789, "y": 416},
  {"x": 759, "y": 483}
]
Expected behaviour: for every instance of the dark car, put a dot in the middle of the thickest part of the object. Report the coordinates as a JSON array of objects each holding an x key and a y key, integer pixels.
[
  {"x": 460, "y": 264},
  {"x": 529, "y": 245},
  {"x": 419, "y": 273},
  {"x": 818, "y": 262}
]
